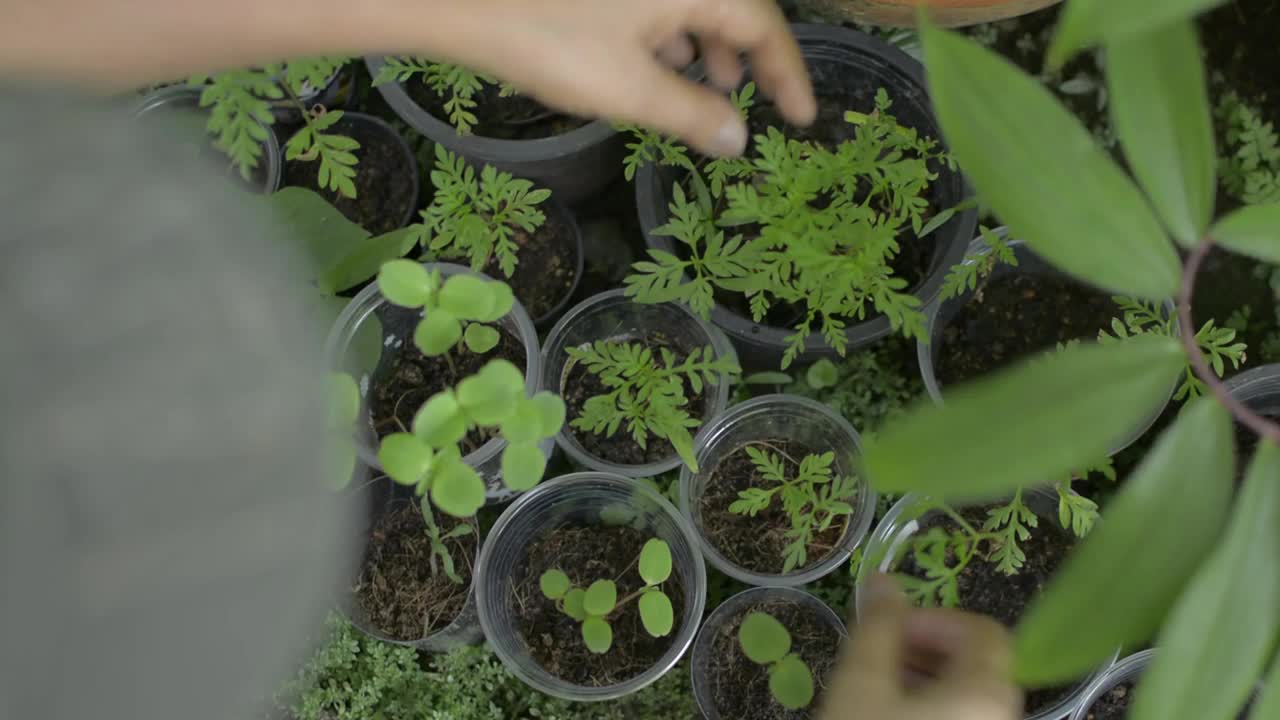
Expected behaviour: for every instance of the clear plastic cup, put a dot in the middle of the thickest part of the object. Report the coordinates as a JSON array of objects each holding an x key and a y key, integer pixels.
[
  {"x": 1258, "y": 389},
  {"x": 779, "y": 417},
  {"x": 702, "y": 649},
  {"x": 395, "y": 325},
  {"x": 594, "y": 498},
  {"x": 612, "y": 316},
  {"x": 907, "y": 517},
  {"x": 1128, "y": 669},
  {"x": 939, "y": 314}
]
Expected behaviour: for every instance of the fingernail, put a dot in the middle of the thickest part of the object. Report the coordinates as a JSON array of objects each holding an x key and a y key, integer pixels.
[{"x": 732, "y": 139}]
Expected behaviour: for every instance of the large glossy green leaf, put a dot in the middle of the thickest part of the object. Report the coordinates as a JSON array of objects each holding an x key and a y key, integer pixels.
[
  {"x": 1160, "y": 105},
  {"x": 1252, "y": 231},
  {"x": 1156, "y": 532},
  {"x": 363, "y": 258},
  {"x": 1087, "y": 22},
  {"x": 1219, "y": 636},
  {"x": 315, "y": 227},
  {"x": 1043, "y": 174},
  {"x": 1268, "y": 707},
  {"x": 1037, "y": 421}
]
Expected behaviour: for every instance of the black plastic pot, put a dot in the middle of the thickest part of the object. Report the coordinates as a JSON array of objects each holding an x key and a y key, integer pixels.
[
  {"x": 556, "y": 209},
  {"x": 575, "y": 165},
  {"x": 854, "y": 65},
  {"x": 335, "y": 95},
  {"x": 1258, "y": 389},
  {"x": 176, "y": 100},
  {"x": 387, "y": 135}
]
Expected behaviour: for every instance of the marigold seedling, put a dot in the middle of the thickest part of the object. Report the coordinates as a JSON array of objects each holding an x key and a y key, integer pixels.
[{"x": 457, "y": 86}]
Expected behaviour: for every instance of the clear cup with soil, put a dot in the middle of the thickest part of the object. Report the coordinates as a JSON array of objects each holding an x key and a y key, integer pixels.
[
  {"x": 981, "y": 586},
  {"x": 1259, "y": 390},
  {"x": 727, "y": 684},
  {"x": 403, "y": 593},
  {"x": 753, "y": 549},
  {"x": 612, "y": 317},
  {"x": 372, "y": 340},
  {"x": 591, "y": 526},
  {"x": 1111, "y": 695},
  {"x": 1014, "y": 313}
]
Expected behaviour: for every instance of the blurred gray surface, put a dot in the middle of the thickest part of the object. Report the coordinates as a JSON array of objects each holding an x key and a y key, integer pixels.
[{"x": 166, "y": 542}]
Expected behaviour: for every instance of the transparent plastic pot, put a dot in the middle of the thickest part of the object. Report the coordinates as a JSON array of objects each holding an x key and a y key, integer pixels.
[
  {"x": 381, "y": 496},
  {"x": 939, "y": 314},
  {"x": 592, "y": 498},
  {"x": 612, "y": 316},
  {"x": 728, "y": 610},
  {"x": 907, "y": 517},
  {"x": 1128, "y": 669},
  {"x": 1258, "y": 389},
  {"x": 777, "y": 417},
  {"x": 368, "y": 314}
]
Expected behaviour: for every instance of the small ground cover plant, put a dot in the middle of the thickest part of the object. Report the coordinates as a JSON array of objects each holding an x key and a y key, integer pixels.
[{"x": 766, "y": 641}]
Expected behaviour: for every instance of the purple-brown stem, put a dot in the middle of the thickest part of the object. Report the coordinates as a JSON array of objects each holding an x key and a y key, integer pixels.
[{"x": 1263, "y": 427}]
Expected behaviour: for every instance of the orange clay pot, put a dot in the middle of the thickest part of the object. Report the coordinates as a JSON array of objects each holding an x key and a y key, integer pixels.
[{"x": 901, "y": 13}]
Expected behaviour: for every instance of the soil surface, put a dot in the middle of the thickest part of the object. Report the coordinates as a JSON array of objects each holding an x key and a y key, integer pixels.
[
  {"x": 740, "y": 688},
  {"x": 409, "y": 378},
  {"x": 986, "y": 590},
  {"x": 518, "y": 117},
  {"x": 384, "y": 194},
  {"x": 757, "y": 543},
  {"x": 1017, "y": 315},
  {"x": 402, "y": 588},
  {"x": 544, "y": 277},
  {"x": 581, "y": 385},
  {"x": 587, "y": 554}
]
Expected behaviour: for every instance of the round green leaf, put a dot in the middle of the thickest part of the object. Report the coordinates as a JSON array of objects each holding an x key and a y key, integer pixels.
[
  {"x": 438, "y": 333},
  {"x": 440, "y": 421},
  {"x": 523, "y": 466},
  {"x": 551, "y": 412},
  {"x": 597, "y": 634},
  {"x": 458, "y": 490},
  {"x": 467, "y": 297},
  {"x": 502, "y": 300},
  {"x": 524, "y": 424},
  {"x": 573, "y": 604},
  {"x": 601, "y": 598},
  {"x": 340, "y": 460},
  {"x": 656, "y": 613},
  {"x": 405, "y": 283},
  {"x": 490, "y": 396},
  {"x": 405, "y": 458},
  {"x": 481, "y": 338},
  {"x": 764, "y": 640},
  {"x": 655, "y": 562},
  {"x": 344, "y": 400},
  {"x": 791, "y": 683},
  {"x": 554, "y": 584},
  {"x": 503, "y": 374},
  {"x": 822, "y": 374}
]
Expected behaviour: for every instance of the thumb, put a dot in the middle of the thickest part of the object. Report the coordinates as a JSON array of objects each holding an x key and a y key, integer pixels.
[
  {"x": 674, "y": 105},
  {"x": 869, "y": 675}
]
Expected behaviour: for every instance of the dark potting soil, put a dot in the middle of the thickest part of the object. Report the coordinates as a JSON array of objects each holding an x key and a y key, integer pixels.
[
  {"x": 1247, "y": 442},
  {"x": 1239, "y": 39},
  {"x": 984, "y": 589},
  {"x": 545, "y": 274},
  {"x": 518, "y": 117},
  {"x": 384, "y": 194},
  {"x": 1113, "y": 704},
  {"x": 757, "y": 543},
  {"x": 1017, "y": 315},
  {"x": 580, "y": 385},
  {"x": 740, "y": 688},
  {"x": 403, "y": 589},
  {"x": 409, "y": 378},
  {"x": 587, "y": 553}
]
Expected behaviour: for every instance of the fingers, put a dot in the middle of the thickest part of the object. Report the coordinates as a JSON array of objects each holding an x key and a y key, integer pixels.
[
  {"x": 672, "y": 104},
  {"x": 976, "y": 671},
  {"x": 677, "y": 52},
  {"x": 723, "y": 66},
  {"x": 870, "y": 673}
]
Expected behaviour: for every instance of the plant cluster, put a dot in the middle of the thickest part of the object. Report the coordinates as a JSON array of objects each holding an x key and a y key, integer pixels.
[
  {"x": 240, "y": 117},
  {"x": 799, "y": 223},
  {"x": 428, "y": 458},
  {"x": 765, "y": 641},
  {"x": 978, "y": 266},
  {"x": 1250, "y": 164},
  {"x": 457, "y": 86},
  {"x": 478, "y": 218},
  {"x": 592, "y": 606},
  {"x": 813, "y": 499}
]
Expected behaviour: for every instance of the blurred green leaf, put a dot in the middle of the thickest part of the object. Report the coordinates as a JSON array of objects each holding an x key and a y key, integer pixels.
[
  {"x": 655, "y": 562},
  {"x": 1042, "y": 419},
  {"x": 551, "y": 413},
  {"x": 437, "y": 333},
  {"x": 501, "y": 302},
  {"x": 405, "y": 458},
  {"x": 340, "y": 460},
  {"x": 1253, "y": 230},
  {"x": 440, "y": 421},
  {"x": 1037, "y": 168},
  {"x": 524, "y": 424},
  {"x": 364, "y": 258},
  {"x": 1220, "y": 634},
  {"x": 490, "y": 396},
  {"x": 763, "y": 639},
  {"x": 791, "y": 683},
  {"x": 1160, "y": 105},
  {"x": 317, "y": 229},
  {"x": 1155, "y": 533},
  {"x": 601, "y": 599},
  {"x": 466, "y": 296},
  {"x": 523, "y": 465},
  {"x": 405, "y": 283},
  {"x": 554, "y": 584},
  {"x": 344, "y": 401},
  {"x": 458, "y": 489},
  {"x": 1084, "y": 23},
  {"x": 767, "y": 378},
  {"x": 597, "y": 635},
  {"x": 481, "y": 338},
  {"x": 822, "y": 374},
  {"x": 656, "y": 613},
  {"x": 1268, "y": 707}
]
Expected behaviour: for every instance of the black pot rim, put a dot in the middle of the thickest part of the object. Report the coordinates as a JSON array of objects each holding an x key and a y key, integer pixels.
[
  {"x": 743, "y": 328},
  {"x": 570, "y": 219}
]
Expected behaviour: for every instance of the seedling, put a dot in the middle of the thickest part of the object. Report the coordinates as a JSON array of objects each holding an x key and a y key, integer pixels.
[
  {"x": 441, "y": 558},
  {"x": 479, "y": 219},
  {"x": 765, "y": 641},
  {"x": 456, "y": 311},
  {"x": 456, "y": 85},
  {"x": 592, "y": 606},
  {"x": 978, "y": 266},
  {"x": 813, "y": 499},
  {"x": 647, "y": 391}
]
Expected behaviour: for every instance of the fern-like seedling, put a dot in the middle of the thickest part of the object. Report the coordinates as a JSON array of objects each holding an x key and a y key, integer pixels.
[
  {"x": 647, "y": 391},
  {"x": 457, "y": 86},
  {"x": 978, "y": 266},
  {"x": 765, "y": 641},
  {"x": 593, "y": 605},
  {"x": 813, "y": 499}
]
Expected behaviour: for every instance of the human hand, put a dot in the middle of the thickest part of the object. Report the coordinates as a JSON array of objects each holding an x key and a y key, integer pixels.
[
  {"x": 613, "y": 58},
  {"x": 909, "y": 664}
]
